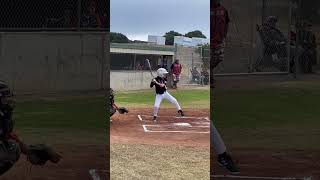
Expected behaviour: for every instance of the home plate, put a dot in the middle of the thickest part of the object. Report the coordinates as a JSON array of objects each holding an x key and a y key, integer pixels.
[{"x": 182, "y": 124}]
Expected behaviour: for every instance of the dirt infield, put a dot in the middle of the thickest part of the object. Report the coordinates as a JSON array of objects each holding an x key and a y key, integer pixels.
[
  {"x": 277, "y": 164},
  {"x": 137, "y": 127},
  {"x": 75, "y": 165},
  {"x": 172, "y": 148}
]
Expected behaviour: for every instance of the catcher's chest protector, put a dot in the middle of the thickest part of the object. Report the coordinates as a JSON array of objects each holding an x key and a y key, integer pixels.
[
  {"x": 112, "y": 110},
  {"x": 6, "y": 122},
  {"x": 9, "y": 155}
]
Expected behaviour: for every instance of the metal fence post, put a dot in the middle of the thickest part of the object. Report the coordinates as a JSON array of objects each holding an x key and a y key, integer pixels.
[
  {"x": 289, "y": 36},
  {"x": 79, "y": 15}
]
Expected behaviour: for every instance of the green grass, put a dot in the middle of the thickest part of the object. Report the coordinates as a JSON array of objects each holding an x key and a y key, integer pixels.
[
  {"x": 186, "y": 98},
  {"x": 62, "y": 120},
  {"x": 278, "y": 117},
  {"x": 79, "y": 114}
]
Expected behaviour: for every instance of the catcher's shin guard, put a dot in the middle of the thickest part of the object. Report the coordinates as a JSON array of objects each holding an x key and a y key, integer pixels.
[{"x": 9, "y": 155}]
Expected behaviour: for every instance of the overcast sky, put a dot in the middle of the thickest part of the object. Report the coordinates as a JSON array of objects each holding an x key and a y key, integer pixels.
[{"x": 139, "y": 18}]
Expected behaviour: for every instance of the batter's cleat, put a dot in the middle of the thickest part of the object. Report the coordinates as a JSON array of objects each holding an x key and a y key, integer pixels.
[
  {"x": 225, "y": 160},
  {"x": 154, "y": 119},
  {"x": 181, "y": 113}
]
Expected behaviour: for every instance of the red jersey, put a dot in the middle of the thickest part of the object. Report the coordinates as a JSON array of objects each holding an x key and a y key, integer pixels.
[
  {"x": 219, "y": 20},
  {"x": 176, "y": 68}
]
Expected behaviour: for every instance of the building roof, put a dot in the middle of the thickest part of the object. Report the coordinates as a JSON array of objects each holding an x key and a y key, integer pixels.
[{"x": 143, "y": 46}]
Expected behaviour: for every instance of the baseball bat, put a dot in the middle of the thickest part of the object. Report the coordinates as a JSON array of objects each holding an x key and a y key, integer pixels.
[{"x": 149, "y": 65}]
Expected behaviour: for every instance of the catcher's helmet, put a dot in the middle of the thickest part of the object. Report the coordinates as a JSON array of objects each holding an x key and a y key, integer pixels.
[
  {"x": 161, "y": 72},
  {"x": 4, "y": 90}
]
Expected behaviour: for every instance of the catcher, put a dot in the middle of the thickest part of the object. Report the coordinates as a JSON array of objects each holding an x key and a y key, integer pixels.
[
  {"x": 10, "y": 145},
  {"x": 113, "y": 107}
]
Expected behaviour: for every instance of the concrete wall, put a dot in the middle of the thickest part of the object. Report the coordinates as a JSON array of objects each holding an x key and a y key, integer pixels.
[
  {"x": 130, "y": 80},
  {"x": 53, "y": 61}
]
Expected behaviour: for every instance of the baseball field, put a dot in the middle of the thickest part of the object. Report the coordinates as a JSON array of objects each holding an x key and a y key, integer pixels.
[
  {"x": 270, "y": 125},
  {"x": 73, "y": 125},
  {"x": 172, "y": 148}
]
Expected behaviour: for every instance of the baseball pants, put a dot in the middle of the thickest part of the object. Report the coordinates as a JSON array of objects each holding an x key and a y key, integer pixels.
[
  {"x": 216, "y": 140},
  {"x": 160, "y": 97}
]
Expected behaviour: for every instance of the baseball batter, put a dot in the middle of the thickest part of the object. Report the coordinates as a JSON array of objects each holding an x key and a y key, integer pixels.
[{"x": 161, "y": 92}]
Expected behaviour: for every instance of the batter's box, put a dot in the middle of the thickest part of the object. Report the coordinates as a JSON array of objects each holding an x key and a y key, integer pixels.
[
  {"x": 181, "y": 127},
  {"x": 194, "y": 121}
]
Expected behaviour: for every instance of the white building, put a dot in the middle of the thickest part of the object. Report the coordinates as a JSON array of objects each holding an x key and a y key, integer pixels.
[
  {"x": 159, "y": 40},
  {"x": 199, "y": 41},
  {"x": 190, "y": 42}
]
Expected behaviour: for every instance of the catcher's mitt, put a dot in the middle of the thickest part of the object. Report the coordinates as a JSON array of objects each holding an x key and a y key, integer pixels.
[
  {"x": 39, "y": 154},
  {"x": 123, "y": 110}
]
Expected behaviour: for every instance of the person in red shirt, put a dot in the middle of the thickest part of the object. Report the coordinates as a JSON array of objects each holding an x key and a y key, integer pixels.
[
  {"x": 219, "y": 25},
  {"x": 176, "y": 68}
]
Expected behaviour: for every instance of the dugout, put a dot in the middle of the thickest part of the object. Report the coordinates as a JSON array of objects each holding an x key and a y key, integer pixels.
[{"x": 129, "y": 69}]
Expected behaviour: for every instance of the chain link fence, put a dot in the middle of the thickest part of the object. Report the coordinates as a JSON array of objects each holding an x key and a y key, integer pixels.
[
  {"x": 54, "y": 15},
  {"x": 195, "y": 63},
  {"x": 130, "y": 70},
  {"x": 258, "y": 40}
]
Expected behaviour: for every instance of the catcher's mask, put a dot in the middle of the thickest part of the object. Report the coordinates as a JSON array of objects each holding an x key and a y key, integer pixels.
[
  {"x": 6, "y": 96},
  {"x": 162, "y": 72}
]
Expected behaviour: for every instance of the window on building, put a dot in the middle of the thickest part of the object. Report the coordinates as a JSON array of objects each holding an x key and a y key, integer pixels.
[{"x": 122, "y": 61}]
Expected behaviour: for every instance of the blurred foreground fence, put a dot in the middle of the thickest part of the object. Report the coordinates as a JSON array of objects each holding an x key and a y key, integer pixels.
[
  {"x": 254, "y": 45},
  {"x": 54, "y": 15}
]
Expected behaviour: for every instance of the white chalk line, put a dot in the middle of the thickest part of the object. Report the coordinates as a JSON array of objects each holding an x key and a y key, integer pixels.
[
  {"x": 192, "y": 131},
  {"x": 139, "y": 117},
  {"x": 174, "y": 124},
  {"x": 203, "y": 123},
  {"x": 182, "y": 124},
  {"x": 180, "y": 117},
  {"x": 145, "y": 128},
  {"x": 257, "y": 177}
]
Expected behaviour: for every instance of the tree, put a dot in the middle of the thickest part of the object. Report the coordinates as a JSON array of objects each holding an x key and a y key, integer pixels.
[
  {"x": 196, "y": 33},
  {"x": 170, "y": 37},
  {"x": 118, "y": 38}
]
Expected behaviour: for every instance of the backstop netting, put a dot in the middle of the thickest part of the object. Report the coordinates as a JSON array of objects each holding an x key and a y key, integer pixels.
[{"x": 252, "y": 46}]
